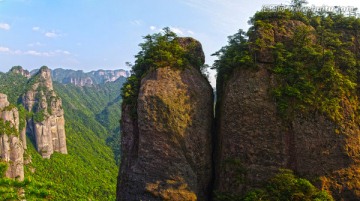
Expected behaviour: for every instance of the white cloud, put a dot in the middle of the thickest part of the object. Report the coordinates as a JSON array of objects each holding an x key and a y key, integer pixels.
[
  {"x": 58, "y": 52},
  {"x": 136, "y": 22},
  {"x": 47, "y": 54},
  {"x": 36, "y": 44},
  {"x": 34, "y": 53},
  {"x": 51, "y": 34},
  {"x": 62, "y": 52},
  {"x": 4, "y": 26},
  {"x": 36, "y": 28},
  {"x": 181, "y": 31},
  {"x": 4, "y": 49},
  {"x": 176, "y": 30}
]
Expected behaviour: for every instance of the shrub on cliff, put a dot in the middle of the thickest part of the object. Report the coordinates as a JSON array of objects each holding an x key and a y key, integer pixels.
[
  {"x": 282, "y": 187},
  {"x": 159, "y": 50},
  {"x": 315, "y": 66}
]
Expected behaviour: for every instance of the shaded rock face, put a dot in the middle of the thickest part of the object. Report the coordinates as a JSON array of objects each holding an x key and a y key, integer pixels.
[
  {"x": 254, "y": 142},
  {"x": 166, "y": 151},
  {"x": 250, "y": 135},
  {"x": 48, "y": 131},
  {"x": 11, "y": 146}
]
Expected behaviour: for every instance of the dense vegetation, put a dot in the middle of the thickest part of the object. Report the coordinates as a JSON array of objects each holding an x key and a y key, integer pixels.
[
  {"x": 313, "y": 63},
  {"x": 98, "y": 107},
  {"x": 317, "y": 70},
  {"x": 282, "y": 187},
  {"x": 11, "y": 189},
  {"x": 13, "y": 85},
  {"x": 162, "y": 49},
  {"x": 89, "y": 171}
]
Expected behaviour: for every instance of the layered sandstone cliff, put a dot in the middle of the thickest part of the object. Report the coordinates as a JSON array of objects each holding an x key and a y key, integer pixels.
[
  {"x": 166, "y": 148},
  {"x": 11, "y": 144},
  {"x": 47, "y": 126}
]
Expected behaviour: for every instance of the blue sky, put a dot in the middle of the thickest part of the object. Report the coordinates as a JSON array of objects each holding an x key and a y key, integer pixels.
[{"x": 94, "y": 34}]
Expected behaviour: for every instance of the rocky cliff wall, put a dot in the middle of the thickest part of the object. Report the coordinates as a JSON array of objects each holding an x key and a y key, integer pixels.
[
  {"x": 47, "y": 127},
  {"x": 11, "y": 144},
  {"x": 254, "y": 140},
  {"x": 167, "y": 148}
]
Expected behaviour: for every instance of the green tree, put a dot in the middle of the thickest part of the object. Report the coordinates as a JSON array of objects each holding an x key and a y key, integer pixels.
[
  {"x": 298, "y": 3},
  {"x": 159, "y": 50}
]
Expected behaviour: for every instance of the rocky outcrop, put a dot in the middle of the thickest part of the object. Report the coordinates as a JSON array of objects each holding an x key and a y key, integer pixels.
[
  {"x": 19, "y": 70},
  {"x": 47, "y": 127},
  {"x": 11, "y": 145},
  {"x": 254, "y": 141},
  {"x": 166, "y": 149}
]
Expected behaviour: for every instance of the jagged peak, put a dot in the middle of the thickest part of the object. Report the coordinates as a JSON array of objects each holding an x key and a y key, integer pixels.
[
  {"x": 43, "y": 76},
  {"x": 21, "y": 71}
]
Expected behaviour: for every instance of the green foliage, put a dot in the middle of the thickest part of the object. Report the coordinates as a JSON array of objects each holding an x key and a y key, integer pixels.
[
  {"x": 158, "y": 50},
  {"x": 13, "y": 85},
  {"x": 298, "y": 3},
  {"x": 286, "y": 186},
  {"x": 282, "y": 187},
  {"x": 317, "y": 68},
  {"x": 23, "y": 113},
  {"x": 11, "y": 189},
  {"x": 39, "y": 116},
  {"x": 130, "y": 92},
  {"x": 89, "y": 171},
  {"x": 7, "y": 128},
  {"x": 315, "y": 76},
  {"x": 236, "y": 53}
]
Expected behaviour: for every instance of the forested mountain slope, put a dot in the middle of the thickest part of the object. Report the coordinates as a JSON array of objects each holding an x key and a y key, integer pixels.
[{"x": 88, "y": 171}]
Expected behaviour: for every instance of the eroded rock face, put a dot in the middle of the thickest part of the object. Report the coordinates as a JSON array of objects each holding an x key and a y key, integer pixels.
[
  {"x": 47, "y": 127},
  {"x": 11, "y": 146},
  {"x": 3, "y": 101},
  {"x": 166, "y": 151},
  {"x": 254, "y": 141},
  {"x": 251, "y": 138}
]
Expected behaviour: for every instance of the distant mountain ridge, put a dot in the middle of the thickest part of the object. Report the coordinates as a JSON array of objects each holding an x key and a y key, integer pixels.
[{"x": 81, "y": 78}]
